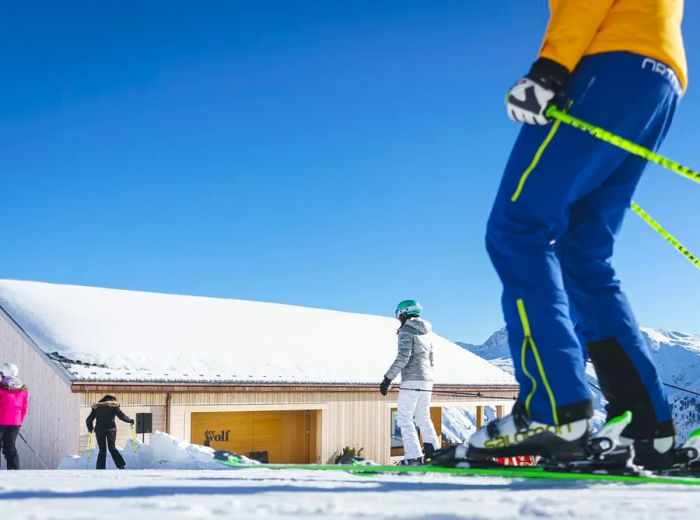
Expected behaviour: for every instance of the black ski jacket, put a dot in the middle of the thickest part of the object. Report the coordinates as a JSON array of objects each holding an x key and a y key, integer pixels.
[{"x": 105, "y": 411}]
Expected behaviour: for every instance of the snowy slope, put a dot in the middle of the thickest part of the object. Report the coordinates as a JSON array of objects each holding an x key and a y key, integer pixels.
[
  {"x": 181, "y": 483},
  {"x": 117, "y": 335},
  {"x": 676, "y": 355},
  {"x": 162, "y": 452},
  {"x": 300, "y": 495}
]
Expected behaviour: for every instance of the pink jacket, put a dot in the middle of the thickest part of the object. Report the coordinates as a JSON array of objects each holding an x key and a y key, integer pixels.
[{"x": 13, "y": 406}]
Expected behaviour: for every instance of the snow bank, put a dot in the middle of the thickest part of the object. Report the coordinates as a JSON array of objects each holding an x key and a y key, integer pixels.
[{"x": 164, "y": 452}]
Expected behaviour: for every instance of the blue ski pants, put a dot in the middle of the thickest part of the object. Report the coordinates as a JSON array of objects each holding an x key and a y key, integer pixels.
[{"x": 550, "y": 236}]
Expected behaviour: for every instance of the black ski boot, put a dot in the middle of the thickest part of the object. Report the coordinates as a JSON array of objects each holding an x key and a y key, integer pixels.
[
  {"x": 655, "y": 455},
  {"x": 418, "y": 461},
  {"x": 605, "y": 451},
  {"x": 428, "y": 450}
]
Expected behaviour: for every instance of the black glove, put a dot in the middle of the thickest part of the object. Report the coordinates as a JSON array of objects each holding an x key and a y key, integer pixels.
[
  {"x": 89, "y": 430},
  {"x": 131, "y": 421},
  {"x": 529, "y": 98},
  {"x": 384, "y": 386}
]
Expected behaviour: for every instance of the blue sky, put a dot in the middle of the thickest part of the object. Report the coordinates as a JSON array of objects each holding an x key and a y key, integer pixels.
[{"x": 337, "y": 154}]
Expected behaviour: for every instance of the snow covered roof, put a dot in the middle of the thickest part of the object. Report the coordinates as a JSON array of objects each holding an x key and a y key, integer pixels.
[{"x": 99, "y": 334}]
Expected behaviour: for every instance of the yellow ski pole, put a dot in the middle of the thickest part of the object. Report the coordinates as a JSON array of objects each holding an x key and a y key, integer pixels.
[
  {"x": 668, "y": 236},
  {"x": 87, "y": 463},
  {"x": 619, "y": 141},
  {"x": 641, "y": 151},
  {"x": 133, "y": 437}
]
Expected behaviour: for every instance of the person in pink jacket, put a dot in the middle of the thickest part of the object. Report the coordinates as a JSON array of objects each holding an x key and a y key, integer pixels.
[{"x": 14, "y": 399}]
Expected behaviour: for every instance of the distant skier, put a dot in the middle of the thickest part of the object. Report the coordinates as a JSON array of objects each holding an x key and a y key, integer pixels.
[
  {"x": 415, "y": 363},
  {"x": 14, "y": 399},
  {"x": 619, "y": 64},
  {"x": 106, "y": 429}
]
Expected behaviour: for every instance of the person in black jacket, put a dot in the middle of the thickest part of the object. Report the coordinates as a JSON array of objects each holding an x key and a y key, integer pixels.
[{"x": 106, "y": 429}]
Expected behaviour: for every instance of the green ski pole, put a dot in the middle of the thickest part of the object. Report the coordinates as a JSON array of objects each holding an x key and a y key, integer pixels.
[
  {"x": 619, "y": 141},
  {"x": 641, "y": 151},
  {"x": 133, "y": 437},
  {"x": 668, "y": 236}
]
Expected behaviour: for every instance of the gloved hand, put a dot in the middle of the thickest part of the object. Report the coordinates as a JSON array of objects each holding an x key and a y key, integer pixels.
[
  {"x": 529, "y": 98},
  {"x": 384, "y": 386},
  {"x": 131, "y": 421},
  {"x": 89, "y": 430}
]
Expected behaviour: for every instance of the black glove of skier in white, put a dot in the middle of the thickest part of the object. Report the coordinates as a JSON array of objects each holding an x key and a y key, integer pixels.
[
  {"x": 529, "y": 98},
  {"x": 384, "y": 386}
]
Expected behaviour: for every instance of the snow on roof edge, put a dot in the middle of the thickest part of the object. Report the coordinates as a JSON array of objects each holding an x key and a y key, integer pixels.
[{"x": 90, "y": 329}]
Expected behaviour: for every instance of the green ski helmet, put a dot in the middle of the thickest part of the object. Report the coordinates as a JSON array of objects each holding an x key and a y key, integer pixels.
[{"x": 408, "y": 308}]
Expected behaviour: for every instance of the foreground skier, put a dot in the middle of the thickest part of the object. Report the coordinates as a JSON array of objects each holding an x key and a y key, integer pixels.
[
  {"x": 619, "y": 64},
  {"x": 414, "y": 361}
]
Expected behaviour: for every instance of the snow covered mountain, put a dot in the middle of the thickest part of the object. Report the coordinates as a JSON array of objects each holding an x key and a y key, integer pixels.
[{"x": 677, "y": 355}]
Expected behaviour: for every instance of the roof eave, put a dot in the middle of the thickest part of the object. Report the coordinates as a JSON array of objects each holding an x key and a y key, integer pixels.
[{"x": 165, "y": 387}]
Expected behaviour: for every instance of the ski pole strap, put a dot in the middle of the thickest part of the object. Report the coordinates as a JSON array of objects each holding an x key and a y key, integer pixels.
[
  {"x": 668, "y": 236},
  {"x": 619, "y": 141}
]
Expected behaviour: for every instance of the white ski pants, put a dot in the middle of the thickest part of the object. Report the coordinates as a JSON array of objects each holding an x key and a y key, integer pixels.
[{"x": 414, "y": 404}]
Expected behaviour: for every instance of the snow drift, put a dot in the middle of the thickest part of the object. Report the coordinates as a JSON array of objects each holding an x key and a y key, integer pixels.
[{"x": 163, "y": 452}]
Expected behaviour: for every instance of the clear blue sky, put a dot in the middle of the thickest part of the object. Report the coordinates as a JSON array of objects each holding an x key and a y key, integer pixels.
[{"x": 337, "y": 154}]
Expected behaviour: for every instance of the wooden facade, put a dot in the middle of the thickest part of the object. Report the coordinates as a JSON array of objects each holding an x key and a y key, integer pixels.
[
  {"x": 284, "y": 436},
  {"x": 309, "y": 422},
  {"x": 51, "y": 426},
  {"x": 356, "y": 419}
]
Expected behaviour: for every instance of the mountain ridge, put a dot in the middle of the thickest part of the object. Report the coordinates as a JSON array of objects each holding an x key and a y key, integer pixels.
[{"x": 676, "y": 355}]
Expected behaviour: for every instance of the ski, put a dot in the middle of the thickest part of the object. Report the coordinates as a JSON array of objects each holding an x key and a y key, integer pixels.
[{"x": 233, "y": 460}]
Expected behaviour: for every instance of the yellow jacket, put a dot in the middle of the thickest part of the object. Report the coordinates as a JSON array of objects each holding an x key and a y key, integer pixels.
[{"x": 651, "y": 28}]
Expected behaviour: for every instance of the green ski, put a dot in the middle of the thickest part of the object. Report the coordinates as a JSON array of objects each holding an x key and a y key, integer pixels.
[{"x": 529, "y": 472}]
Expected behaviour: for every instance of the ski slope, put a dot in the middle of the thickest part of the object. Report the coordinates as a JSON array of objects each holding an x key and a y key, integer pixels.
[
  {"x": 299, "y": 494},
  {"x": 184, "y": 482}
]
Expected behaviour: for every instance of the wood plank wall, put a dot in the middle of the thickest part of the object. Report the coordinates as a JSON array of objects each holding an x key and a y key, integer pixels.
[
  {"x": 50, "y": 426},
  {"x": 353, "y": 419}
]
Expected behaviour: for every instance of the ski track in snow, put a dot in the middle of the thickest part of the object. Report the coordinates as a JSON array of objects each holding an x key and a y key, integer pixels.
[{"x": 295, "y": 494}]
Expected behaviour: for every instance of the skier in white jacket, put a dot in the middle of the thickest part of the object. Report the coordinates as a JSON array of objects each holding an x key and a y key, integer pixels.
[{"x": 415, "y": 363}]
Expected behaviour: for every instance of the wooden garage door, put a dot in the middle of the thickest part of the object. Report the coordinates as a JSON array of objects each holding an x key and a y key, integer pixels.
[{"x": 286, "y": 436}]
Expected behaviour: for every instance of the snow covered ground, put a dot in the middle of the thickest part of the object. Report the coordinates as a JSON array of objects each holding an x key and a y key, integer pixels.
[
  {"x": 169, "y": 478},
  {"x": 299, "y": 494},
  {"x": 184, "y": 482}
]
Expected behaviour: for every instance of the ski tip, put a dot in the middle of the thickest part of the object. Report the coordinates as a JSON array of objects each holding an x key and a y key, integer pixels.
[
  {"x": 694, "y": 433},
  {"x": 226, "y": 456}
]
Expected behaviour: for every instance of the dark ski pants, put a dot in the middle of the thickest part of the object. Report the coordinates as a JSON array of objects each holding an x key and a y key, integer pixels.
[
  {"x": 8, "y": 438},
  {"x": 550, "y": 236},
  {"x": 105, "y": 439}
]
